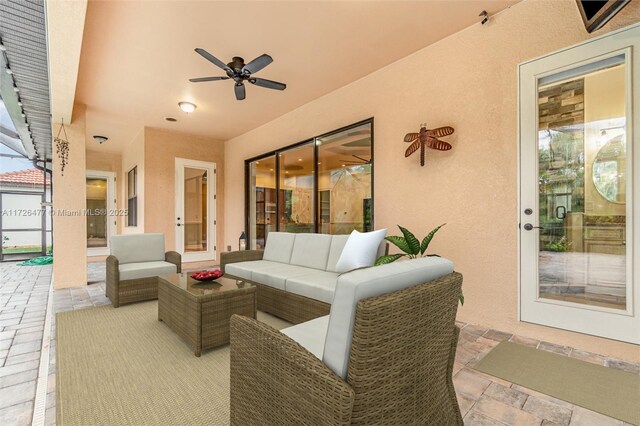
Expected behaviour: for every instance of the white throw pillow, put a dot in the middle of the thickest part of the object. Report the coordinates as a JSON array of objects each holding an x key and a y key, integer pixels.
[{"x": 360, "y": 251}]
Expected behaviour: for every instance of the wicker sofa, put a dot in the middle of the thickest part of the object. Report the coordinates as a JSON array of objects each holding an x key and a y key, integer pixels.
[
  {"x": 134, "y": 265},
  {"x": 384, "y": 355},
  {"x": 295, "y": 274}
]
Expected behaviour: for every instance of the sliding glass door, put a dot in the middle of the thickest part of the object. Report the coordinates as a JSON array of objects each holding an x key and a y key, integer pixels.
[
  {"x": 296, "y": 194},
  {"x": 262, "y": 215},
  {"x": 344, "y": 181},
  {"x": 324, "y": 184}
]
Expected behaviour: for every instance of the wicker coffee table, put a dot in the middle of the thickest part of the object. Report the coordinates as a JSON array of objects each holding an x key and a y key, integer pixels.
[{"x": 199, "y": 312}]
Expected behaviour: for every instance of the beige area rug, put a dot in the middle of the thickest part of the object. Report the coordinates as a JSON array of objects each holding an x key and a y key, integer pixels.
[
  {"x": 124, "y": 367},
  {"x": 608, "y": 391}
]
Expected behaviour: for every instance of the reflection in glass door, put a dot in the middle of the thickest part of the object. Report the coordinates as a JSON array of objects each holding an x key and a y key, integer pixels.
[
  {"x": 97, "y": 212},
  {"x": 582, "y": 185},
  {"x": 296, "y": 197},
  {"x": 100, "y": 204},
  {"x": 577, "y": 246},
  {"x": 262, "y": 200},
  {"x": 344, "y": 181}
]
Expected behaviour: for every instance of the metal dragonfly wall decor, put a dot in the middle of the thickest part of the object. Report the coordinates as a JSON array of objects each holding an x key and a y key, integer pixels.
[{"x": 427, "y": 138}]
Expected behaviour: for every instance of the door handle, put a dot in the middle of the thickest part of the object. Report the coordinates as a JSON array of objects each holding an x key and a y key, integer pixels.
[{"x": 529, "y": 227}]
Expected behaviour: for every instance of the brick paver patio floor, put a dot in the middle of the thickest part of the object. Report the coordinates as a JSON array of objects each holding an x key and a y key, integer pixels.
[{"x": 484, "y": 400}]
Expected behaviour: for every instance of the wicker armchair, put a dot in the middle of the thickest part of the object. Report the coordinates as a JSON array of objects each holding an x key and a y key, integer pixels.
[
  {"x": 129, "y": 255},
  {"x": 399, "y": 368}
]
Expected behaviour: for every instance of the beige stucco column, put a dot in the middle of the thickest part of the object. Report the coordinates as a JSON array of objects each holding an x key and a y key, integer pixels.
[{"x": 69, "y": 203}]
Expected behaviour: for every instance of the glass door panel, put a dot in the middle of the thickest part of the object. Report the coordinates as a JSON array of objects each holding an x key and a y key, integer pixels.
[
  {"x": 262, "y": 200},
  {"x": 578, "y": 258},
  {"x": 582, "y": 173},
  {"x": 195, "y": 209},
  {"x": 344, "y": 181},
  {"x": 296, "y": 197},
  {"x": 97, "y": 219}
]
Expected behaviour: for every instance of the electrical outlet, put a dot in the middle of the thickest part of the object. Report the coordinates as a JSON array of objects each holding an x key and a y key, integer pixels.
[{"x": 228, "y": 248}]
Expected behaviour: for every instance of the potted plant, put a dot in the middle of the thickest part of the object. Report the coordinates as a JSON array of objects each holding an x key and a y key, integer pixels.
[{"x": 411, "y": 247}]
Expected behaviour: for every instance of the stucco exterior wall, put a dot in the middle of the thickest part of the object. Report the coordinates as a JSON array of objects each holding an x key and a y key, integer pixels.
[
  {"x": 467, "y": 81},
  {"x": 69, "y": 196}
]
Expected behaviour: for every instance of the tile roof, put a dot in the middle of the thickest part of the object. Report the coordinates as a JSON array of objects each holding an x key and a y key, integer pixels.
[{"x": 23, "y": 177}]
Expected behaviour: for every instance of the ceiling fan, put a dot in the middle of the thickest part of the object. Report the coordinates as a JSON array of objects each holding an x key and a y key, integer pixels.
[
  {"x": 240, "y": 72},
  {"x": 360, "y": 160}
]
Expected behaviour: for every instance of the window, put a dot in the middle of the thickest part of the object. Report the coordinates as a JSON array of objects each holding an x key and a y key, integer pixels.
[
  {"x": 132, "y": 197},
  {"x": 324, "y": 185}
]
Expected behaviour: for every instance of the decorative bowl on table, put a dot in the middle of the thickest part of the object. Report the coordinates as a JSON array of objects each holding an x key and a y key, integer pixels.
[{"x": 206, "y": 275}]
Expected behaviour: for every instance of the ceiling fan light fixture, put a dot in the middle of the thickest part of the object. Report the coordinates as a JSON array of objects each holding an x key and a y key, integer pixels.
[{"x": 187, "y": 107}]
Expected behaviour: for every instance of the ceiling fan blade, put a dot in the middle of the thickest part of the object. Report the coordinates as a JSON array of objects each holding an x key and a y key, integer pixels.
[
  {"x": 269, "y": 84},
  {"x": 217, "y": 62},
  {"x": 240, "y": 91},
  {"x": 257, "y": 64},
  {"x": 200, "y": 79}
]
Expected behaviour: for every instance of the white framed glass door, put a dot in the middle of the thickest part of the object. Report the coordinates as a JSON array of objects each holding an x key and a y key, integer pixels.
[
  {"x": 579, "y": 225},
  {"x": 195, "y": 216},
  {"x": 100, "y": 212}
]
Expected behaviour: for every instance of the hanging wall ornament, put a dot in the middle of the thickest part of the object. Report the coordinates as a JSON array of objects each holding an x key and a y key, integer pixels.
[
  {"x": 427, "y": 138},
  {"x": 62, "y": 147}
]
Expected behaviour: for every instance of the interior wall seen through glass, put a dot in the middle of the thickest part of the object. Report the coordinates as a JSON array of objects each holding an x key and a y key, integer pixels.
[
  {"x": 296, "y": 194},
  {"x": 344, "y": 181},
  {"x": 262, "y": 201}
]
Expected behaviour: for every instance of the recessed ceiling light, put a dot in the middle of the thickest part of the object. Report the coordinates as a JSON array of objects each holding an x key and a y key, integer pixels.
[
  {"x": 299, "y": 159},
  {"x": 343, "y": 165},
  {"x": 270, "y": 170},
  {"x": 257, "y": 162},
  {"x": 171, "y": 119},
  {"x": 187, "y": 107}
]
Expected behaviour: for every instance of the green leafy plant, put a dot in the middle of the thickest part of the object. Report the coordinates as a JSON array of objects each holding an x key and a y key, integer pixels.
[{"x": 411, "y": 247}]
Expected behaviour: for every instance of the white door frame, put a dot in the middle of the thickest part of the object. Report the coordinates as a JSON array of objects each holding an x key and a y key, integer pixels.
[
  {"x": 211, "y": 252},
  {"x": 615, "y": 324},
  {"x": 111, "y": 207}
]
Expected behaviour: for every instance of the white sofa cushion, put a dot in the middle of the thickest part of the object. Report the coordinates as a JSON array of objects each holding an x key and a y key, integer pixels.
[
  {"x": 134, "y": 271},
  {"x": 317, "y": 285},
  {"x": 371, "y": 282},
  {"x": 244, "y": 269},
  {"x": 337, "y": 244},
  {"x": 275, "y": 276},
  {"x": 361, "y": 250},
  {"x": 279, "y": 247},
  {"x": 310, "y": 335},
  {"x": 311, "y": 250},
  {"x": 135, "y": 248}
]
